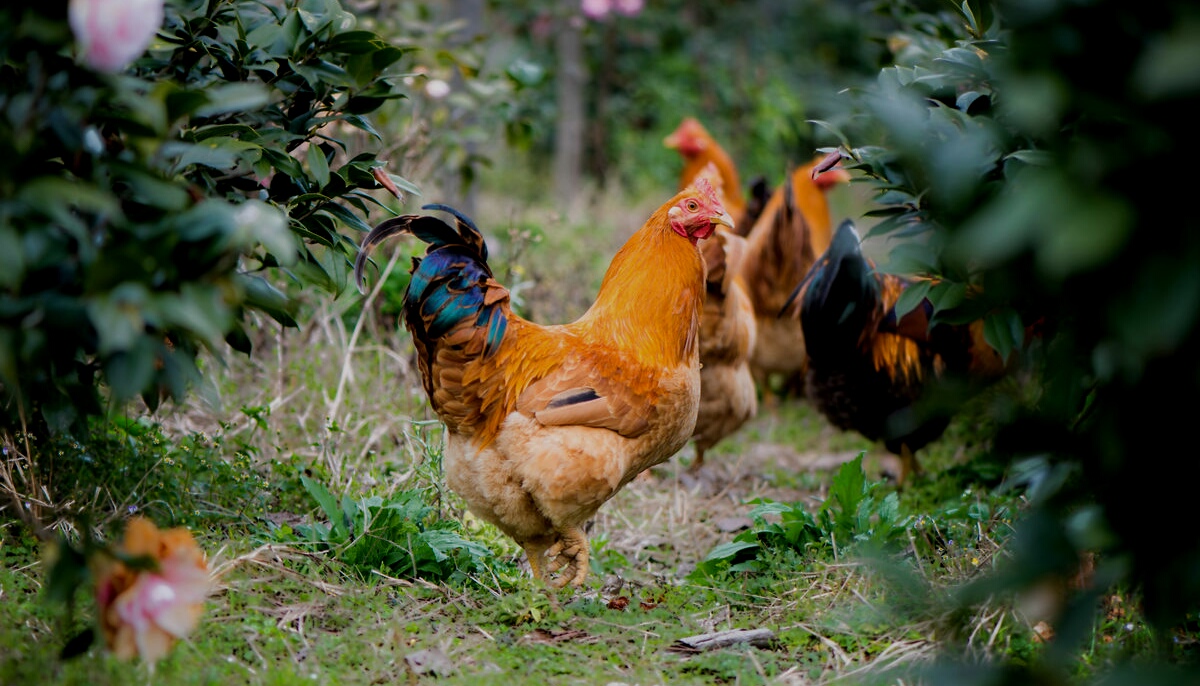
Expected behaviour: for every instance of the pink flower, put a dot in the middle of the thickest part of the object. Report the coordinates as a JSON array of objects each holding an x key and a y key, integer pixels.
[
  {"x": 143, "y": 612},
  {"x": 595, "y": 9},
  {"x": 437, "y": 89},
  {"x": 628, "y": 7},
  {"x": 113, "y": 33}
]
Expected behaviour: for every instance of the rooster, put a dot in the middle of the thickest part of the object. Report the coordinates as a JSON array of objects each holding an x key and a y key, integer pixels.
[
  {"x": 867, "y": 368},
  {"x": 546, "y": 423},
  {"x": 793, "y": 229},
  {"x": 699, "y": 149}
]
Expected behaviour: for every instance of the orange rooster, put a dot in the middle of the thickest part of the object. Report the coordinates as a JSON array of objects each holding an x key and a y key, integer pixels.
[
  {"x": 546, "y": 423},
  {"x": 868, "y": 369},
  {"x": 698, "y": 149},
  {"x": 792, "y": 230}
]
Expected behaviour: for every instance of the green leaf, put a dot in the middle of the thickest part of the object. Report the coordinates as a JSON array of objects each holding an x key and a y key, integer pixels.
[
  {"x": 729, "y": 550},
  {"x": 68, "y": 573},
  {"x": 131, "y": 372},
  {"x": 258, "y": 222},
  {"x": 318, "y": 165},
  {"x": 118, "y": 316},
  {"x": 1003, "y": 331},
  {"x": 328, "y": 505},
  {"x": 261, "y": 295},
  {"x": 831, "y": 128},
  {"x": 355, "y": 43},
  {"x": 218, "y": 153},
  {"x": 911, "y": 296},
  {"x": 947, "y": 295},
  {"x": 199, "y": 308},
  {"x": 346, "y": 216},
  {"x": 847, "y": 489}
]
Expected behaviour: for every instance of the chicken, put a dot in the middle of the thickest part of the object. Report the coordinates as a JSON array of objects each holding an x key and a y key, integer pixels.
[
  {"x": 792, "y": 230},
  {"x": 868, "y": 371},
  {"x": 546, "y": 423},
  {"x": 698, "y": 149},
  {"x": 727, "y": 330}
]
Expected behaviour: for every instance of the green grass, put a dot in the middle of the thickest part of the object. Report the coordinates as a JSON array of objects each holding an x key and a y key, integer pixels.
[{"x": 245, "y": 465}]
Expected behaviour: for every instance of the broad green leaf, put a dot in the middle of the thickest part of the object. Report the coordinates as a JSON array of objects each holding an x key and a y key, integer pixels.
[
  {"x": 218, "y": 153},
  {"x": 729, "y": 550},
  {"x": 911, "y": 296},
  {"x": 119, "y": 316},
  {"x": 1001, "y": 330},
  {"x": 129, "y": 372},
  {"x": 346, "y": 216},
  {"x": 947, "y": 295},
  {"x": 831, "y": 128},
  {"x": 318, "y": 165},
  {"x": 198, "y": 308},
  {"x": 260, "y": 223},
  {"x": 848, "y": 487},
  {"x": 328, "y": 505}
]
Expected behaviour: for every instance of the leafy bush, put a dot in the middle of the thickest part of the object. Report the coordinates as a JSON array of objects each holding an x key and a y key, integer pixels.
[
  {"x": 852, "y": 515},
  {"x": 400, "y": 536},
  {"x": 147, "y": 216},
  {"x": 1009, "y": 147},
  {"x": 124, "y": 465}
]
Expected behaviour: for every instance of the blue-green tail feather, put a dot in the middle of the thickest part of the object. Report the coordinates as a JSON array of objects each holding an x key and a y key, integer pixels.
[{"x": 449, "y": 285}]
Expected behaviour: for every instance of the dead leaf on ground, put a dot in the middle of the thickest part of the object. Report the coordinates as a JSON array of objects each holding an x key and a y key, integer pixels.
[
  {"x": 619, "y": 603},
  {"x": 429, "y": 661},
  {"x": 552, "y": 637},
  {"x": 729, "y": 525},
  {"x": 1042, "y": 631}
]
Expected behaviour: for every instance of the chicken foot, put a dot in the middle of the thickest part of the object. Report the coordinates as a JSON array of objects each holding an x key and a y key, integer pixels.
[{"x": 570, "y": 554}]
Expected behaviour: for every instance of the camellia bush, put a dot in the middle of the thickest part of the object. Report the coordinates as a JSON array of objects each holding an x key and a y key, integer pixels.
[
  {"x": 151, "y": 202},
  {"x": 1038, "y": 171}
]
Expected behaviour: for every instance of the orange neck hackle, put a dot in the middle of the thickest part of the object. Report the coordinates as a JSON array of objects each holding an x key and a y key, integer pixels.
[
  {"x": 810, "y": 197},
  {"x": 650, "y": 299}
]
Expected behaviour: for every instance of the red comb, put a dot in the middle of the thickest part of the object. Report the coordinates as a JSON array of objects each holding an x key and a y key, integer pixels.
[{"x": 705, "y": 188}]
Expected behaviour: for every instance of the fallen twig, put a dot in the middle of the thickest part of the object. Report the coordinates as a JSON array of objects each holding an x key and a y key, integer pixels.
[{"x": 761, "y": 638}]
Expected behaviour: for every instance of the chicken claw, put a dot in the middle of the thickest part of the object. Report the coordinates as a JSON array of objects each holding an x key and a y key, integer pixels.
[{"x": 570, "y": 554}]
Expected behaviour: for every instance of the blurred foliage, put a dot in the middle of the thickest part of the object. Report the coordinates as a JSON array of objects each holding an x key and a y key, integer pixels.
[
  {"x": 401, "y": 535},
  {"x": 853, "y": 515},
  {"x": 1017, "y": 153},
  {"x": 460, "y": 92},
  {"x": 752, "y": 72},
  {"x": 145, "y": 216}
]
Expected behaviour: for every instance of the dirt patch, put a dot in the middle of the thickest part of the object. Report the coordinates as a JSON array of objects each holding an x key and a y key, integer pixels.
[{"x": 665, "y": 522}]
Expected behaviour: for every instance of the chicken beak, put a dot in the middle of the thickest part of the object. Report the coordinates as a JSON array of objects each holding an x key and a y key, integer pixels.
[{"x": 723, "y": 219}]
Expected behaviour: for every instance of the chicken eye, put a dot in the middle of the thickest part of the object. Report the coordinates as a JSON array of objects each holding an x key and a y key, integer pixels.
[{"x": 692, "y": 206}]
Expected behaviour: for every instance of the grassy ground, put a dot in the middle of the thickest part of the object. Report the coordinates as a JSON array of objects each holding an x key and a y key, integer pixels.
[{"x": 336, "y": 407}]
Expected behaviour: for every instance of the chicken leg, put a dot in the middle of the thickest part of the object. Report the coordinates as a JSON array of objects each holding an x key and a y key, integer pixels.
[
  {"x": 908, "y": 465},
  {"x": 570, "y": 554},
  {"x": 535, "y": 551}
]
